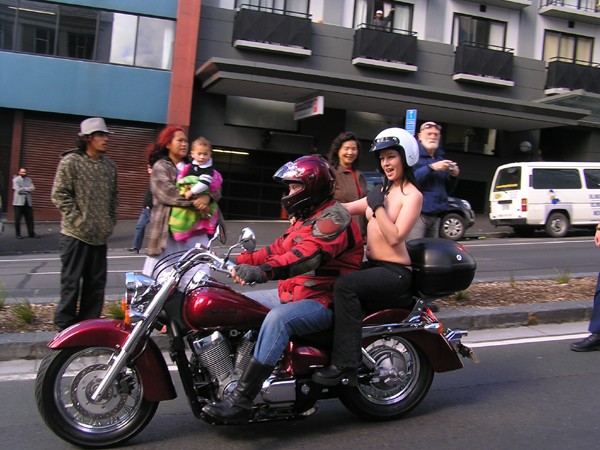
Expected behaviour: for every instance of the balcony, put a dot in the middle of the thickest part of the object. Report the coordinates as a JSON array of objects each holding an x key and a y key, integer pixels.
[
  {"x": 565, "y": 76},
  {"x": 483, "y": 64},
  {"x": 272, "y": 30},
  {"x": 509, "y": 4},
  {"x": 587, "y": 11},
  {"x": 387, "y": 49}
]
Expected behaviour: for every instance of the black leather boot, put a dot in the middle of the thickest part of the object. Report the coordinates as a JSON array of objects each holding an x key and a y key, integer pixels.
[
  {"x": 589, "y": 344},
  {"x": 237, "y": 405},
  {"x": 333, "y": 375}
]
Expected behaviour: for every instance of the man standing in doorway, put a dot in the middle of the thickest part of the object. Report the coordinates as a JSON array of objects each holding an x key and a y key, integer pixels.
[
  {"x": 436, "y": 176},
  {"x": 85, "y": 191},
  {"x": 22, "y": 203}
]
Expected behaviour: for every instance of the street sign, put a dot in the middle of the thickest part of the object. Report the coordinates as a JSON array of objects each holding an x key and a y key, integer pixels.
[
  {"x": 411, "y": 121},
  {"x": 308, "y": 108}
]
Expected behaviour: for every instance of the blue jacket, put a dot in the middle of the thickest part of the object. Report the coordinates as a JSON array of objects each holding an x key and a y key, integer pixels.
[{"x": 435, "y": 186}]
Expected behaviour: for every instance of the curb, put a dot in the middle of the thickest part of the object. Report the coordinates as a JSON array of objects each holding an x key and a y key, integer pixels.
[{"x": 32, "y": 346}]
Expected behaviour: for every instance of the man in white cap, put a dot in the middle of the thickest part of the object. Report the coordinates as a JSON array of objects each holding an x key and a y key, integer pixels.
[
  {"x": 382, "y": 22},
  {"x": 85, "y": 191}
]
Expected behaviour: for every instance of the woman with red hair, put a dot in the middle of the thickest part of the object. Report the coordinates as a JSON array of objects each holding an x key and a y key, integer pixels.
[{"x": 170, "y": 153}]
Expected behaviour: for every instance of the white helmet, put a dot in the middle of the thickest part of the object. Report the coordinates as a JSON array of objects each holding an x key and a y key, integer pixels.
[{"x": 397, "y": 139}]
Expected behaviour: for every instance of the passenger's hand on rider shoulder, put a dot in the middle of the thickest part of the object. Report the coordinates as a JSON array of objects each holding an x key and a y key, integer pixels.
[
  {"x": 375, "y": 198},
  {"x": 245, "y": 274}
]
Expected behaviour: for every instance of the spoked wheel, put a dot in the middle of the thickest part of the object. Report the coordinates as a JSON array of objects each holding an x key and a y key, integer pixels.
[
  {"x": 400, "y": 381},
  {"x": 65, "y": 383}
]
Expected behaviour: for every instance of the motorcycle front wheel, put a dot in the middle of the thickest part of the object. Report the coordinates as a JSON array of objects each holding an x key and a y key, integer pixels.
[
  {"x": 64, "y": 385},
  {"x": 400, "y": 381}
]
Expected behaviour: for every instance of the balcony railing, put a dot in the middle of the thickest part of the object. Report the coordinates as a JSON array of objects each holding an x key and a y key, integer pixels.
[
  {"x": 573, "y": 75},
  {"x": 386, "y": 45},
  {"x": 273, "y": 30},
  {"x": 576, "y": 10},
  {"x": 483, "y": 63}
]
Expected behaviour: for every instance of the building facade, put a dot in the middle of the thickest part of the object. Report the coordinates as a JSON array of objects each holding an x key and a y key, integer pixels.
[{"x": 267, "y": 81}]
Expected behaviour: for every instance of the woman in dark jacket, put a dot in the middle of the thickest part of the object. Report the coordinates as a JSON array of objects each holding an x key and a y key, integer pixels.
[{"x": 350, "y": 183}]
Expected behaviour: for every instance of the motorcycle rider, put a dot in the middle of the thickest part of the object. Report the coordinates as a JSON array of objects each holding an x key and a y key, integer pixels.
[
  {"x": 322, "y": 243},
  {"x": 384, "y": 282}
]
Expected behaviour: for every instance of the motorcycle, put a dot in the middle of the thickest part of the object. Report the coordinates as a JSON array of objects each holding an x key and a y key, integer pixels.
[{"x": 104, "y": 379}]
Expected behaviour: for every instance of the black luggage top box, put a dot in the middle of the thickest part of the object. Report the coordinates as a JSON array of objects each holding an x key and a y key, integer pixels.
[{"x": 440, "y": 266}]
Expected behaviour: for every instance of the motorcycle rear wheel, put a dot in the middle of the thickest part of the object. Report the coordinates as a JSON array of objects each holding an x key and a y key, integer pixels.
[
  {"x": 63, "y": 388},
  {"x": 405, "y": 376}
]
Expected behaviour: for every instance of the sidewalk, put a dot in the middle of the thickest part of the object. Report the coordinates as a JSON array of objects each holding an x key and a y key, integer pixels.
[{"x": 33, "y": 345}]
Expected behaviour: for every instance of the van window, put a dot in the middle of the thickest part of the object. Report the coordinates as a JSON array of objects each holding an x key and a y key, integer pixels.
[
  {"x": 592, "y": 178},
  {"x": 508, "y": 179},
  {"x": 556, "y": 179}
]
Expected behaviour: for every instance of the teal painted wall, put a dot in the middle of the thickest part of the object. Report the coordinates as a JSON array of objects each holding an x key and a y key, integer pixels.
[{"x": 39, "y": 83}]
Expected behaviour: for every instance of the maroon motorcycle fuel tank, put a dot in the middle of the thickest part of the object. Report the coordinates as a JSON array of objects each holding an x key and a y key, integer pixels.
[{"x": 208, "y": 307}]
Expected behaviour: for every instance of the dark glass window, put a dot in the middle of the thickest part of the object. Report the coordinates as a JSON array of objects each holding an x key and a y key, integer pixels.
[
  {"x": 508, "y": 179},
  {"x": 556, "y": 179},
  {"x": 86, "y": 33},
  {"x": 77, "y": 32},
  {"x": 36, "y": 27},
  {"x": 8, "y": 15},
  {"x": 477, "y": 30},
  {"x": 592, "y": 178}
]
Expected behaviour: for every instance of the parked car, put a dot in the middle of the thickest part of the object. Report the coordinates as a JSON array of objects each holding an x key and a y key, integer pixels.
[{"x": 455, "y": 221}]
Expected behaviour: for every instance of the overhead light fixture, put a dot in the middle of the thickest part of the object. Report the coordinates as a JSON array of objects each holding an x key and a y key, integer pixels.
[
  {"x": 231, "y": 152},
  {"x": 36, "y": 11}
]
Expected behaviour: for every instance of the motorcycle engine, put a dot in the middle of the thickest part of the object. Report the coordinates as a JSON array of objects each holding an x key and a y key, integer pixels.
[{"x": 225, "y": 359}]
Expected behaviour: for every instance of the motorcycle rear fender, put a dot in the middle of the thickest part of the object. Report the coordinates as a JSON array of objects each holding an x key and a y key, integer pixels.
[
  {"x": 150, "y": 363},
  {"x": 439, "y": 351}
]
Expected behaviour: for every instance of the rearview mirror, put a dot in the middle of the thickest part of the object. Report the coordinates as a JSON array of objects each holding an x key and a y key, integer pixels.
[{"x": 247, "y": 239}]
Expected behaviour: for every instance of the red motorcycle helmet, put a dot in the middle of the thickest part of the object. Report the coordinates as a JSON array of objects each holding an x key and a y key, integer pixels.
[{"x": 317, "y": 179}]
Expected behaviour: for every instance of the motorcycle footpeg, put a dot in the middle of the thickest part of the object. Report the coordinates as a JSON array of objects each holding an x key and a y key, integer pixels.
[{"x": 467, "y": 352}]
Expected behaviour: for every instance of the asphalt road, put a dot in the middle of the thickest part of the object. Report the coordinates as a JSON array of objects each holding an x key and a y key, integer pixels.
[
  {"x": 526, "y": 393},
  {"x": 36, "y": 276}
]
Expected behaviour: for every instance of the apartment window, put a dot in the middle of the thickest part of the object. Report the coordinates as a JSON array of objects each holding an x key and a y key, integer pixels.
[
  {"x": 567, "y": 48},
  {"x": 396, "y": 15},
  {"x": 76, "y": 32},
  {"x": 86, "y": 33},
  {"x": 36, "y": 26},
  {"x": 288, "y": 6},
  {"x": 475, "y": 30},
  {"x": 8, "y": 12}
]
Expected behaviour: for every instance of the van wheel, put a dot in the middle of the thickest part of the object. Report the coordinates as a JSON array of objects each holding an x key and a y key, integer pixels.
[{"x": 557, "y": 225}]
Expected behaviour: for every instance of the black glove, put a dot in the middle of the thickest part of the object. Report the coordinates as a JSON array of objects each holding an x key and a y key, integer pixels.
[
  {"x": 375, "y": 198},
  {"x": 250, "y": 274}
]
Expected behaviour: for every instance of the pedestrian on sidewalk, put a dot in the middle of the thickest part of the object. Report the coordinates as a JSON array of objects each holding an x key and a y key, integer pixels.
[
  {"x": 22, "y": 203},
  {"x": 144, "y": 218},
  {"x": 592, "y": 342},
  {"x": 86, "y": 193},
  {"x": 436, "y": 177}
]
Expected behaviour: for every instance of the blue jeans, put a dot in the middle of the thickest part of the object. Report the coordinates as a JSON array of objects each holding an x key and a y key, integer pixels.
[
  {"x": 286, "y": 320},
  {"x": 140, "y": 228}
]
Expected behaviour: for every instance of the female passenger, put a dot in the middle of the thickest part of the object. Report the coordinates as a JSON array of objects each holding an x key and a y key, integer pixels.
[{"x": 384, "y": 282}]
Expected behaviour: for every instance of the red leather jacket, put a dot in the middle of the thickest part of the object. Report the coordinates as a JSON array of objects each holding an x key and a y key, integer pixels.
[{"x": 311, "y": 254}]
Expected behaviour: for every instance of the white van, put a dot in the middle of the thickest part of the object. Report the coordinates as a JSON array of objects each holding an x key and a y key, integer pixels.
[{"x": 550, "y": 195}]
